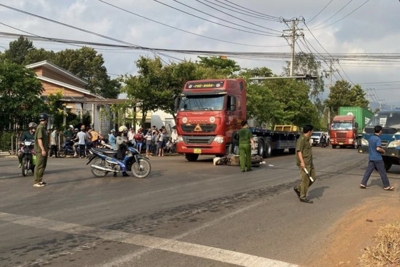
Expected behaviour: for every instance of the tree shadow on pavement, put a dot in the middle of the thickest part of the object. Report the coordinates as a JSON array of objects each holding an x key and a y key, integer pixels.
[{"x": 317, "y": 192}]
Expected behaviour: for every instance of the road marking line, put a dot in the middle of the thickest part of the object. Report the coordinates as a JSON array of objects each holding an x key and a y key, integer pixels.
[{"x": 212, "y": 253}]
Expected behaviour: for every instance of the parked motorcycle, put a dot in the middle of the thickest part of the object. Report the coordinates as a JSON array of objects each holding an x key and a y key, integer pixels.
[
  {"x": 28, "y": 157},
  {"x": 67, "y": 149},
  {"x": 104, "y": 162}
]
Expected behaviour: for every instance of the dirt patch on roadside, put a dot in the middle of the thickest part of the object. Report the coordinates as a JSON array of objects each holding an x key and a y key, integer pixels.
[{"x": 348, "y": 237}]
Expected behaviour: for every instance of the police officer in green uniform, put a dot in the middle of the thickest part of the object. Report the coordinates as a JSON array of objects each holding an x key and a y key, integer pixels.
[
  {"x": 305, "y": 161},
  {"x": 245, "y": 138},
  {"x": 41, "y": 149},
  {"x": 28, "y": 136}
]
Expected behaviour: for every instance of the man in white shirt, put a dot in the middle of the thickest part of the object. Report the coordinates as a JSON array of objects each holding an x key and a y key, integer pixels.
[{"x": 81, "y": 142}]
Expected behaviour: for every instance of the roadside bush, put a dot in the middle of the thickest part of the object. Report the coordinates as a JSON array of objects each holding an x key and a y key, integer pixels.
[
  {"x": 5, "y": 141},
  {"x": 386, "y": 249}
]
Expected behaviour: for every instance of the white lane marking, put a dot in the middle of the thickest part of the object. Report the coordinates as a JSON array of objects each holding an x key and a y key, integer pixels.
[{"x": 212, "y": 253}]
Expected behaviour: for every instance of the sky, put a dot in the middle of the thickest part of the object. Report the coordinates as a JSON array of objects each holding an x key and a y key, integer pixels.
[{"x": 331, "y": 26}]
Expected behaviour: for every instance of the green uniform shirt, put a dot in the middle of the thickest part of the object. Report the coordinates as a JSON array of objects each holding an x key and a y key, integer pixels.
[
  {"x": 41, "y": 133},
  {"x": 303, "y": 145},
  {"x": 27, "y": 136},
  {"x": 244, "y": 136},
  {"x": 68, "y": 134}
]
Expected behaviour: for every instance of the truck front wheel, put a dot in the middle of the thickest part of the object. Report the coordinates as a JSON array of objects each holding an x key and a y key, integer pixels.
[
  {"x": 333, "y": 146},
  {"x": 191, "y": 157},
  {"x": 388, "y": 164}
]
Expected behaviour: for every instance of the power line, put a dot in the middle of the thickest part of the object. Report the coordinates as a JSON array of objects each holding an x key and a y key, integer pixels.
[
  {"x": 253, "y": 10},
  {"x": 333, "y": 14},
  {"x": 223, "y": 12},
  {"x": 176, "y": 28},
  {"x": 258, "y": 32},
  {"x": 320, "y": 11},
  {"x": 344, "y": 16},
  {"x": 248, "y": 13}
]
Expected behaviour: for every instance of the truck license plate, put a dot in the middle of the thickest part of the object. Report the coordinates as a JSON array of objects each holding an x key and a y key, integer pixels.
[
  {"x": 197, "y": 151},
  {"x": 340, "y": 144}
]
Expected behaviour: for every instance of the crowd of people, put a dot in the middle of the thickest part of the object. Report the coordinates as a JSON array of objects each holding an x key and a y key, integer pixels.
[{"x": 153, "y": 141}]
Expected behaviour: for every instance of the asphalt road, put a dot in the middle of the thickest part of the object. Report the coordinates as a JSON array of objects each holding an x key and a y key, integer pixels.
[{"x": 183, "y": 214}]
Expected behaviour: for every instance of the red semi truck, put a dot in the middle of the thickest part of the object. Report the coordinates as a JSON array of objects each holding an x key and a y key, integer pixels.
[{"x": 210, "y": 112}]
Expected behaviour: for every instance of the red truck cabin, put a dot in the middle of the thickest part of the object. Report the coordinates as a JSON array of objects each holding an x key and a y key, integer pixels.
[
  {"x": 343, "y": 131},
  {"x": 208, "y": 113}
]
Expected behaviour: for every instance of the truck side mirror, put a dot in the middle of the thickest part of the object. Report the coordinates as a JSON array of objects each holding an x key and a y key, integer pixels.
[
  {"x": 233, "y": 103},
  {"x": 176, "y": 104}
]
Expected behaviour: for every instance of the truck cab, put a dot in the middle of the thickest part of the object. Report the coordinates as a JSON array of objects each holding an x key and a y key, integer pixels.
[
  {"x": 343, "y": 131},
  {"x": 209, "y": 112},
  {"x": 390, "y": 121}
]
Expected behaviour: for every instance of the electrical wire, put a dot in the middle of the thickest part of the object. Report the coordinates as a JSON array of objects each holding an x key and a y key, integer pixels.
[
  {"x": 316, "y": 26},
  {"x": 344, "y": 16},
  {"x": 245, "y": 8},
  {"x": 320, "y": 11},
  {"x": 258, "y": 32},
  {"x": 176, "y": 28},
  {"x": 223, "y": 12}
]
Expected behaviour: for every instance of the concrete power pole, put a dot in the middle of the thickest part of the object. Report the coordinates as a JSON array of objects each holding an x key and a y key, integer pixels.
[
  {"x": 291, "y": 38},
  {"x": 331, "y": 71}
]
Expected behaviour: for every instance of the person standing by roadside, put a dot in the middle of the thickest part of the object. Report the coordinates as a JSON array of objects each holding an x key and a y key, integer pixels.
[
  {"x": 54, "y": 143},
  {"x": 148, "y": 138},
  {"x": 82, "y": 137},
  {"x": 139, "y": 140},
  {"x": 160, "y": 141},
  {"x": 375, "y": 151},
  {"x": 112, "y": 139},
  {"x": 245, "y": 138},
  {"x": 131, "y": 136},
  {"x": 305, "y": 163},
  {"x": 41, "y": 149}
]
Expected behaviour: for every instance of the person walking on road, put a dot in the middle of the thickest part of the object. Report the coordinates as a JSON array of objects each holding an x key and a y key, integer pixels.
[
  {"x": 54, "y": 143},
  {"x": 82, "y": 142},
  {"x": 376, "y": 161},
  {"x": 305, "y": 162},
  {"x": 41, "y": 149},
  {"x": 245, "y": 138}
]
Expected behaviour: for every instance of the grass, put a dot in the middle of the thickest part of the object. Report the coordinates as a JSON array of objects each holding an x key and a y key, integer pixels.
[{"x": 386, "y": 248}]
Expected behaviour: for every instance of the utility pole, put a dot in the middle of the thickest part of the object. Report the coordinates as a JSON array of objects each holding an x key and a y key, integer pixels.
[
  {"x": 291, "y": 38},
  {"x": 330, "y": 72}
]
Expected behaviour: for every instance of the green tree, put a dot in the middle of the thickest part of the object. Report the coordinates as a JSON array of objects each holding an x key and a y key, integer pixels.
[
  {"x": 37, "y": 55},
  {"x": 221, "y": 64},
  {"x": 18, "y": 50},
  {"x": 343, "y": 94},
  {"x": 20, "y": 92}
]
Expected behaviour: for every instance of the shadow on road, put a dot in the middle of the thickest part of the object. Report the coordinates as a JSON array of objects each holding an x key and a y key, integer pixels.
[{"x": 317, "y": 192}]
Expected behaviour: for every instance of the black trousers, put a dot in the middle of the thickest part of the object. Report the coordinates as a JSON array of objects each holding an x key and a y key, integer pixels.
[
  {"x": 54, "y": 149},
  {"x": 82, "y": 149}
]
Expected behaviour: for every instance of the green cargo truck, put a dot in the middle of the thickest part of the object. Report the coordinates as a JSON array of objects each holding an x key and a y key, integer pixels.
[{"x": 347, "y": 127}]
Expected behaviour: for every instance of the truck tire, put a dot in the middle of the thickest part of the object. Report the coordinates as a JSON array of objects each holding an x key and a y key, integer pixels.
[
  {"x": 292, "y": 150},
  {"x": 388, "y": 164},
  {"x": 333, "y": 146},
  {"x": 268, "y": 148},
  {"x": 261, "y": 147},
  {"x": 191, "y": 157}
]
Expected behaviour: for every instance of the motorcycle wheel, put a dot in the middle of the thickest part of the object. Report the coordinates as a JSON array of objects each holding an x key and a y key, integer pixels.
[
  {"x": 99, "y": 162},
  {"x": 25, "y": 166},
  {"x": 141, "y": 169},
  {"x": 62, "y": 153}
]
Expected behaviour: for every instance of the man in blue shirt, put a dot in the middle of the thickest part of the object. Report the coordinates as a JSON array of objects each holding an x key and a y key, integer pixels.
[{"x": 376, "y": 161}]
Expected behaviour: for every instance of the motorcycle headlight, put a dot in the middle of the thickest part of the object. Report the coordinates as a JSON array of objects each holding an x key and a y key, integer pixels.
[
  {"x": 394, "y": 144},
  {"x": 364, "y": 142},
  {"x": 219, "y": 139}
]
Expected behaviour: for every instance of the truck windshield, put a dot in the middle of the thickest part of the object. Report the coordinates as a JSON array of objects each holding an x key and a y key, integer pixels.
[
  {"x": 342, "y": 125},
  {"x": 203, "y": 102},
  {"x": 387, "y": 119},
  {"x": 316, "y": 134}
]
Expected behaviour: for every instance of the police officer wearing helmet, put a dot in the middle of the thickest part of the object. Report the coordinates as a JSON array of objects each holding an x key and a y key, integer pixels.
[
  {"x": 28, "y": 136},
  {"x": 41, "y": 149},
  {"x": 121, "y": 145}
]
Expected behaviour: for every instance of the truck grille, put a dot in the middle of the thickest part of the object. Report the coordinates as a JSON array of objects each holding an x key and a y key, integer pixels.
[
  {"x": 201, "y": 140},
  {"x": 384, "y": 143},
  {"x": 205, "y": 128},
  {"x": 341, "y": 135}
]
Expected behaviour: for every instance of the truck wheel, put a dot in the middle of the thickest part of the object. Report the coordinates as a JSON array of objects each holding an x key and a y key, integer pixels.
[
  {"x": 292, "y": 150},
  {"x": 268, "y": 148},
  {"x": 388, "y": 164},
  {"x": 333, "y": 146},
  {"x": 261, "y": 147},
  {"x": 191, "y": 157}
]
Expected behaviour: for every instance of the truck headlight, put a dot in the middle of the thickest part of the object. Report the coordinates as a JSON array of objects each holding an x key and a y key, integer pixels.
[
  {"x": 364, "y": 142},
  {"x": 394, "y": 144},
  {"x": 179, "y": 139},
  {"x": 219, "y": 139},
  {"x": 351, "y": 140}
]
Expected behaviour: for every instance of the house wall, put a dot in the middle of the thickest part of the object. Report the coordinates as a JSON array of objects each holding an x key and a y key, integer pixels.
[{"x": 56, "y": 76}]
